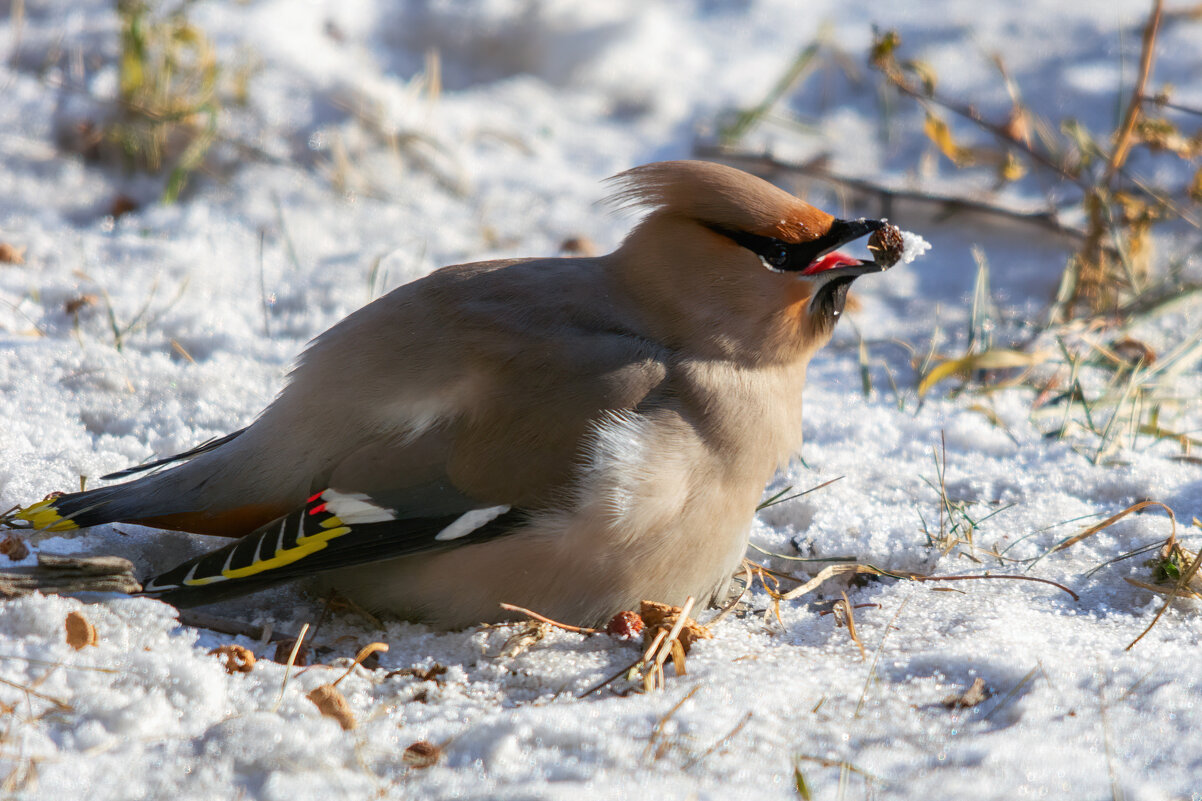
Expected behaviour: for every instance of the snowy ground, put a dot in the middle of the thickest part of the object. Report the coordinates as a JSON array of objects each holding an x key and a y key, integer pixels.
[{"x": 539, "y": 102}]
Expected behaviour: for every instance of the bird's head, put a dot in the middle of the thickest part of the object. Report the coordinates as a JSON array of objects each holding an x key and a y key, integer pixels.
[{"x": 728, "y": 264}]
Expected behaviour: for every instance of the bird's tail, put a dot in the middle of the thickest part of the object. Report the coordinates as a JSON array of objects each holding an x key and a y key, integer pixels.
[
  {"x": 158, "y": 492},
  {"x": 68, "y": 511}
]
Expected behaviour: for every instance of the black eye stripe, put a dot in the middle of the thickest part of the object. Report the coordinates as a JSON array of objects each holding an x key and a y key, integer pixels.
[
  {"x": 776, "y": 254},
  {"x": 786, "y": 257}
]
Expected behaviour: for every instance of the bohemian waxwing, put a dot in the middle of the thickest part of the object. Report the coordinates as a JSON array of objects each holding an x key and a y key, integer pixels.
[{"x": 571, "y": 435}]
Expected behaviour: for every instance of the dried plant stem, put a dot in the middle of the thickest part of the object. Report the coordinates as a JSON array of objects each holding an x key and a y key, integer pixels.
[
  {"x": 364, "y": 652},
  {"x": 1123, "y": 142},
  {"x": 1057, "y": 585},
  {"x": 730, "y": 735},
  {"x": 221, "y": 625},
  {"x": 658, "y": 732},
  {"x": 296, "y": 646},
  {"x": 905, "y": 85},
  {"x": 673, "y": 637},
  {"x": 768, "y": 165},
  {"x": 1089, "y": 532},
  {"x": 61, "y": 705},
  {"x": 542, "y": 619}
]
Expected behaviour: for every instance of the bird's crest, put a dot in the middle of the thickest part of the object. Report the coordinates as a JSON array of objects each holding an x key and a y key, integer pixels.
[{"x": 716, "y": 195}]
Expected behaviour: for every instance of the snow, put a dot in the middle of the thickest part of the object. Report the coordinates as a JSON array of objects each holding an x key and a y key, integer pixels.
[
  {"x": 357, "y": 177},
  {"x": 913, "y": 246}
]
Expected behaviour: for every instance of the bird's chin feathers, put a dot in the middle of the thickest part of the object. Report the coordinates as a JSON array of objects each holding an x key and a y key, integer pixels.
[{"x": 828, "y": 300}]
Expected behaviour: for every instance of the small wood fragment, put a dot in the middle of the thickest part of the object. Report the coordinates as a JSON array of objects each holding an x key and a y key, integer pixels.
[
  {"x": 67, "y": 574},
  {"x": 237, "y": 628}
]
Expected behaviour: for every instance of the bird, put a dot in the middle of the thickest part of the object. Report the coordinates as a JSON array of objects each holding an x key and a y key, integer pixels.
[{"x": 570, "y": 435}]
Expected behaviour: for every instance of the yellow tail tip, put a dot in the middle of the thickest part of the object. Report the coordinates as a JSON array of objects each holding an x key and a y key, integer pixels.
[{"x": 42, "y": 516}]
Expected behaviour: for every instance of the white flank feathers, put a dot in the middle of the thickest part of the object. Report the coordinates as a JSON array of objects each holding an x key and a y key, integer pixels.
[{"x": 468, "y": 522}]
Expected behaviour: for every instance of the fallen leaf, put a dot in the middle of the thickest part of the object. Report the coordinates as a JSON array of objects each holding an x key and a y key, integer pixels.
[
  {"x": 235, "y": 658},
  {"x": 79, "y": 303},
  {"x": 80, "y": 632},
  {"x": 333, "y": 704},
  {"x": 975, "y": 694},
  {"x": 421, "y": 754},
  {"x": 14, "y": 547},
  {"x": 659, "y": 616},
  {"x": 12, "y": 254},
  {"x": 283, "y": 650}
]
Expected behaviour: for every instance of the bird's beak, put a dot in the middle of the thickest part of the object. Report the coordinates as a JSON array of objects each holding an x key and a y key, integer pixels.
[{"x": 826, "y": 262}]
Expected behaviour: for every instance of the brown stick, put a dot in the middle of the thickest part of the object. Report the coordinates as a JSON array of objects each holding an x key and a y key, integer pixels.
[
  {"x": 898, "y": 79},
  {"x": 223, "y": 625},
  {"x": 999, "y": 576},
  {"x": 1123, "y": 143},
  {"x": 544, "y": 619},
  {"x": 766, "y": 164}
]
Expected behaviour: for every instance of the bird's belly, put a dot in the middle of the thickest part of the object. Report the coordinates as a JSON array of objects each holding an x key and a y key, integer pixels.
[
  {"x": 655, "y": 515},
  {"x": 563, "y": 578}
]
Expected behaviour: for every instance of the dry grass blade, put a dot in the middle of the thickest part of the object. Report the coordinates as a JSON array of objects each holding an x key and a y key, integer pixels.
[
  {"x": 1089, "y": 532},
  {"x": 845, "y": 616},
  {"x": 824, "y": 575},
  {"x": 300, "y": 639},
  {"x": 364, "y": 653},
  {"x": 62, "y": 706},
  {"x": 1014, "y": 691},
  {"x": 658, "y": 731},
  {"x": 1186, "y": 592},
  {"x": 780, "y": 496},
  {"x": 730, "y": 735},
  {"x": 669, "y": 646},
  {"x": 876, "y": 657},
  {"x": 993, "y": 359}
]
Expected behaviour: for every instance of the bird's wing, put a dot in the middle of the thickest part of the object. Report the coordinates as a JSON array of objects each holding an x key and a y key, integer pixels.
[
  {"x": 463, "y": 481},
  {"x": 334, "y": 529}
]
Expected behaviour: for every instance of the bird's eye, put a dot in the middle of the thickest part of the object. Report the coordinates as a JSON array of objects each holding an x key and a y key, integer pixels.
[{"x": 776, "y": 254}]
